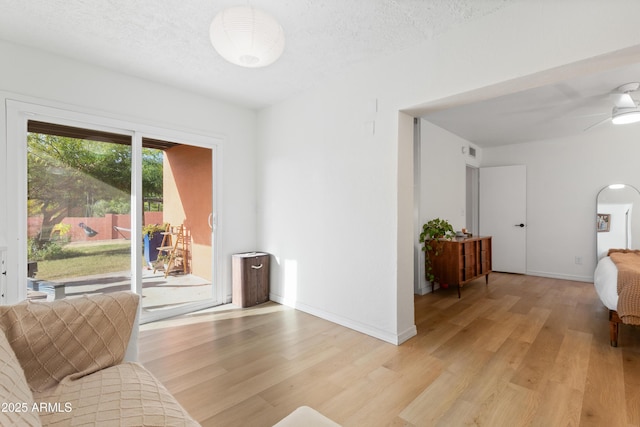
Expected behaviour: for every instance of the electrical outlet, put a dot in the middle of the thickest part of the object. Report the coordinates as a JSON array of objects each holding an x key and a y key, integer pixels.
[{"x": 579, "y": 260}]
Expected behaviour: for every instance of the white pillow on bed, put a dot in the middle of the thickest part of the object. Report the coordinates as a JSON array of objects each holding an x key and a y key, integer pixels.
[{"x": 605, "y": 279}]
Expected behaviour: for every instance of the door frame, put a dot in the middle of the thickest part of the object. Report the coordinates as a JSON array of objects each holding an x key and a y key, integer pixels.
[
  {"x": 19, "y": 111},
  {"x": 181, "y": 138},
  {"x": 472, "y": 197}
]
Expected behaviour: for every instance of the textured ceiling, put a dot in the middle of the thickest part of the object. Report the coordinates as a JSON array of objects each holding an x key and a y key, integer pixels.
[{"x": 167, "y": 41}]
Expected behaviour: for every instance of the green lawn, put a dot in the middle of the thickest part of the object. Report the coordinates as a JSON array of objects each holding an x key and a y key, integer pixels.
[{"x": 86, "y": 261}]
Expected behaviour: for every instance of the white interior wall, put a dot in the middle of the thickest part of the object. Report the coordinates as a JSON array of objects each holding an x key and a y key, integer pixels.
[
  {"x": 443, "y": 176},
  {"x": 564, "y": 177},
  {"x": 443, "y": 184},
  {"x": 331, "y": 197},
  {"x": 32, "y": 74},
  {"x": 327, "y": 209}
]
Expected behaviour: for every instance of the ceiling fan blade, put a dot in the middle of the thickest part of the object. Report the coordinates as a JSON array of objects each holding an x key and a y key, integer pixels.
[
  {"x": 623, "y": 100},
  {"x": 597, "y": 124}
]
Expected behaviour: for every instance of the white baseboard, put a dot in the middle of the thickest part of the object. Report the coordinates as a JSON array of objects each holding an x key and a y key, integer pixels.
[
  {"x": 407, "y": 334},
  {"x": 561, "y": 276},
  {"x": 426, "y": 289},
  {"x": 395, "y": 339},
  {"x": 422, "y": 290}
]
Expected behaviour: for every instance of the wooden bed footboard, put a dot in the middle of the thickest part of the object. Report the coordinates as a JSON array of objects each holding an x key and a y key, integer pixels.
[{"x": 614, "y": 321}]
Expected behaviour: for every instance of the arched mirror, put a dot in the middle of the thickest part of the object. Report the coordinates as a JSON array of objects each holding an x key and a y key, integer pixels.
[{"x": 616, "y": 224}]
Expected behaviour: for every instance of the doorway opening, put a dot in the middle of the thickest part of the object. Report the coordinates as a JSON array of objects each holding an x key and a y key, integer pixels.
[{"x": 472, "y": 199}]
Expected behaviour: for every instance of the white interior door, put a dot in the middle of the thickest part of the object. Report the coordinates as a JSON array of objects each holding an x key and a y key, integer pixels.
[{"x": 503, "y": 215}]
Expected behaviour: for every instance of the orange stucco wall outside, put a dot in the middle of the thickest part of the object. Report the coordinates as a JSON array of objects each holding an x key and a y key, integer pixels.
[{"x": 187, "y": 200}]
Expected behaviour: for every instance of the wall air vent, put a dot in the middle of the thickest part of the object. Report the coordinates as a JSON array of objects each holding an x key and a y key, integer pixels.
[{"x": 472, "y": 152}]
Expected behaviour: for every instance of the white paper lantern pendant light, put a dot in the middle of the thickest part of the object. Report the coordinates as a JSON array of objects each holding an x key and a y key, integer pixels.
[{"x": 247, "y": 36}]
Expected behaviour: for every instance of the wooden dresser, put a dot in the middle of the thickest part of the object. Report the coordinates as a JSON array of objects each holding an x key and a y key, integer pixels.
[{"x": 461, "y": 261}]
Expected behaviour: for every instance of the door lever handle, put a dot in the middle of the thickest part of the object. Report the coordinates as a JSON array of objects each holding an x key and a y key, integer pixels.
[{"x": 520, "y": 225}]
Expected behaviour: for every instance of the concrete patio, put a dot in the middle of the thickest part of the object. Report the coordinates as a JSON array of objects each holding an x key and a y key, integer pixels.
[{"x": 158, "y": 292}]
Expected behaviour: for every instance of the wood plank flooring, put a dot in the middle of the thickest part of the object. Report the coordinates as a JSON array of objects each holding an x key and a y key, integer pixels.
[{"x": 522, "y": 351}]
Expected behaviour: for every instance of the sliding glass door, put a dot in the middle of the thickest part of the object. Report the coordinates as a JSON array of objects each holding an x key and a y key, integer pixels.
[{"x": 107, "y": 211}]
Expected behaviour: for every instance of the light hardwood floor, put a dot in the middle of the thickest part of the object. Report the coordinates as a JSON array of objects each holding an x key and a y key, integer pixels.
[{"x": 521, "y": 351}]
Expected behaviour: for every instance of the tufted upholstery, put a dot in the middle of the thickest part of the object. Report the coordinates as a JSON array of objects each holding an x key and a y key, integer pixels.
[
  {"x": 15, "y": 395},
  {"x": 71, "y": 352}
]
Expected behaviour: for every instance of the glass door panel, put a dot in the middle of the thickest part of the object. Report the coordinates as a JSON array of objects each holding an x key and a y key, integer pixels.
[
  {"x": 177, "y": 189},
  {"x": 78, "y": 212}
]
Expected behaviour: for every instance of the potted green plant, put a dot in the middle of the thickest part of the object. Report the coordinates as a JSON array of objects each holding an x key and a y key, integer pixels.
[
  {"x": 162, "y": 261},
  {"x": 151, "y": 229},
  {"x": 433, "y": 232}
]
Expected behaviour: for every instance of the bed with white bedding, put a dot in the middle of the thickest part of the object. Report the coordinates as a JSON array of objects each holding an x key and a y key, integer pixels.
[
  {"x": 617, "y": 275},
  {"x": 605, "y": 279},
  {"x": 606, "y": 282},
  {"x": 617, "y": 283}
]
